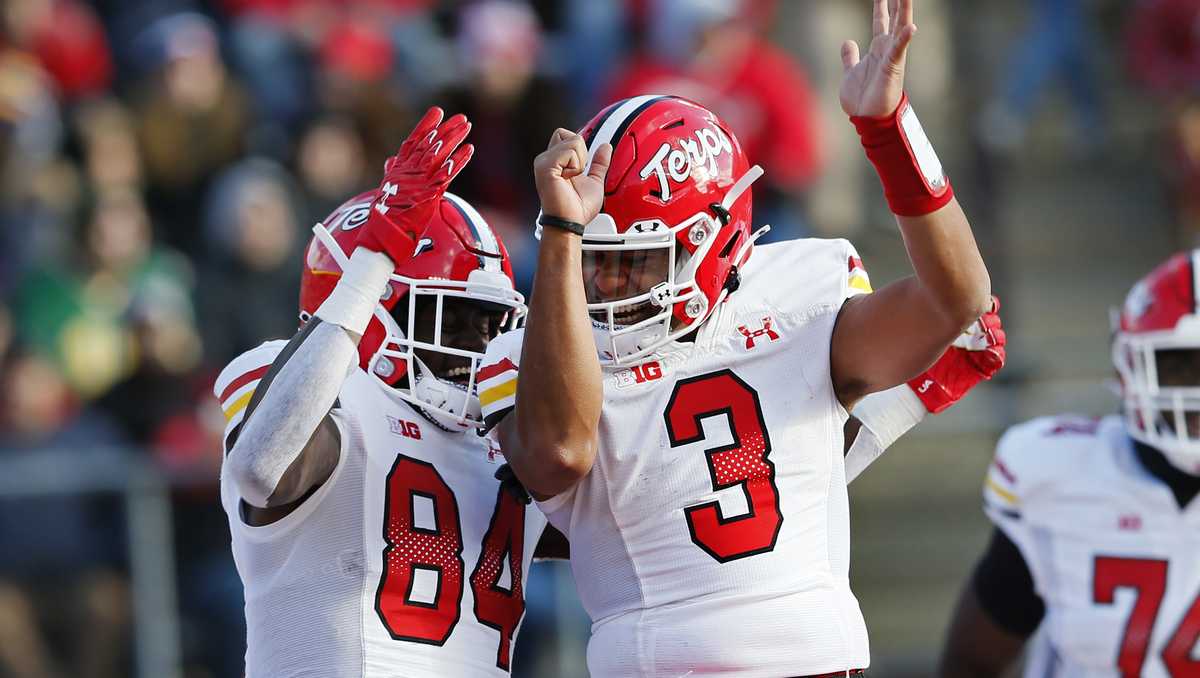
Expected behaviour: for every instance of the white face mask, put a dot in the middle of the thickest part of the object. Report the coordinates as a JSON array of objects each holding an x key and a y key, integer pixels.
[
  {"x": 452, "y": 405},
  {"x": 1157, "y": 414},
  {"x": 636, "y": 316}
]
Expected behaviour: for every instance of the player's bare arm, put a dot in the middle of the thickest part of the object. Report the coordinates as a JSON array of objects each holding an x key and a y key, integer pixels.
[
  {"x": 883, "y": 339},
  {"x": 879, "y": 419},
  {"x": 977, "y": 647},
  {"x": 559, "y": 394},
  {"x": 287, "y": 444}
]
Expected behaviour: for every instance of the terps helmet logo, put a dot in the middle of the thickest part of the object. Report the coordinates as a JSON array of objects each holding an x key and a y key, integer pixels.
[
  {"x": 677, "y": 164},
  {"x": 1139, "y": 300}
]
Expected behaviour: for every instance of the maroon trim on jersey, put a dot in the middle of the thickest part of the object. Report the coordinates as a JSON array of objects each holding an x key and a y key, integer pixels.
[
  {"x": 242, "y": 381},
  {"x": 490, "y": 371}
]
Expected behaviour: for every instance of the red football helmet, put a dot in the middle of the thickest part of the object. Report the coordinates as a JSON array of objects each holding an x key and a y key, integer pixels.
[
  {"x": 676, "y": 200},
  {"x": 457, "y": 255},
  {"x": 1161, "y": 314}
]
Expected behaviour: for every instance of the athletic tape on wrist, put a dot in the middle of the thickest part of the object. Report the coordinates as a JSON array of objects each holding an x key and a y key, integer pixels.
[
  {"x": 352, "y": 303},
  {"x": 891, "y": 413},
  {"x": 914, "y": 181}
]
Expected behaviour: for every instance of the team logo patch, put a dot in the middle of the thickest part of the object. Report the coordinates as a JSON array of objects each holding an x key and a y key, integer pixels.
[
  {"x": 752, "y": 336},
  {"x": 639, "y": 374},
  {"x": 1129, "y": 523},
  {"x": 693, "y": 155},
  {"x": 404, "y": 429}
]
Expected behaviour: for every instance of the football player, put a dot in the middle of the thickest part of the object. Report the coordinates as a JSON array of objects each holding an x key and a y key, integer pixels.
[
  {"x": 367, "y": 527},
  {"x": 1097, "y": 527},
  {"x": 681, "y": 408}
]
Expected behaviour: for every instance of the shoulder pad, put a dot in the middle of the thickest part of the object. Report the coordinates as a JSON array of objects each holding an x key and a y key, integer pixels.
[
  {"x": 1031, "y": 457},
  {"x": 497, "y": 376},
  {"x": 236, "y": 383},
  {"x": 795, "y": 275}
]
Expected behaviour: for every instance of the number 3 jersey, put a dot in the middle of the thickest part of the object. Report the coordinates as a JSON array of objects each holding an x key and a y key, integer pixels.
[
  {"x": 712, "y": 534},
  {"x": 408, "y": 561},
  {"x": 1112, "y": 555}
]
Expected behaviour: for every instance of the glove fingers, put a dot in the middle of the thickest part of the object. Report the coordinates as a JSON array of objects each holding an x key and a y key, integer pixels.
[
  {"x": 455, "y": 163},
  {"x": 999, "y": 338},
  {"x": 428, "y": 123},
  {"x": 449, "y": 138}
]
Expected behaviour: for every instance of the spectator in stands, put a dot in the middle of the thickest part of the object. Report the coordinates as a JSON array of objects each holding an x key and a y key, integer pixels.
[
  {"x": 82, "y": 311},
  {"x": 331, "y": 164},
  {"x": 58, "y": 564},
  {"x": 255, "y": 242},
  {"x": 1055, "y": 47},
  {"x": 192, "y": 117},
  {"x": 67, "y": 39},
  {"x": 513, "y": 109},
  {"x": 1164, "y": 56},
  {"x": 713, "y": 51}
]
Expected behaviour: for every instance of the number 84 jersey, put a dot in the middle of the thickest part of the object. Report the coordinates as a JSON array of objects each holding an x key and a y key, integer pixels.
[
  {"x": 408, "y": 561},
  {"x": 1112, "y": 555},
  {"x": 711, "y": 535}
]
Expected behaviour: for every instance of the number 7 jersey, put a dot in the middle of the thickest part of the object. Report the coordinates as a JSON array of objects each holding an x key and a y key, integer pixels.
[
  {"x": 712, "y": 534},
  {"x": 408, "y": 561},
  {"x": 1112, "y": 556}
]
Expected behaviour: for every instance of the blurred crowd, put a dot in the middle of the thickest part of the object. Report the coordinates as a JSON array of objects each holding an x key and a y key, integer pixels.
[{"x": 162, "y": 161}]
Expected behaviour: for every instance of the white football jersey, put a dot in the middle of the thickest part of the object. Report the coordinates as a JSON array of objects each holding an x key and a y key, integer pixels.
[
  {"x": 1113, "y": 557},
  {"x": 408, "y": 561},
  {"x": 712, "y": 534}
]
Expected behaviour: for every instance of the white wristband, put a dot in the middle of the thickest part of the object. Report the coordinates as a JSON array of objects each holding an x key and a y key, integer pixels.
[
  {"x": 352, "y": 303},
  {"x": 891, "y": 413}
]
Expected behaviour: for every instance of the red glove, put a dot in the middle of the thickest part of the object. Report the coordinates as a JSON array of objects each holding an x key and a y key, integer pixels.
[
  {"x": 413, "y": 183},
  {"x": 974, "y": 357}
]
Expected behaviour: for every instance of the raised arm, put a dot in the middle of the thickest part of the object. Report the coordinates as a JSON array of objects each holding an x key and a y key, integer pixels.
[
  {"x": 287, "y": 444},
  {"x": 884, "y": 339},
  {"x": 559, "y": 393},
  {"x": 879, "y": 419}
]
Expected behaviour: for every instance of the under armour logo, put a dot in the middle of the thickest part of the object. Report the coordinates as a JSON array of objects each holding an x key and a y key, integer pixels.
[
  {"x": 925, "y": 386},
  {"x": 389, "y": 190},
  {"x": 751, "y": 335}
]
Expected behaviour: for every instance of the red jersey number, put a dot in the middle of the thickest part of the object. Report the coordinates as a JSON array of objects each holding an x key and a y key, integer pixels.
[
  {"x": 429, "y": 616},
  {"x": 744, "y": 463},
  {"x": 1149, "y": 579},
  {"x": 412, "y": 550}
]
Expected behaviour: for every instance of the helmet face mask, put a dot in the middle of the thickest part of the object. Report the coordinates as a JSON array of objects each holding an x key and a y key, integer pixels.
[
  {"x": 1156, "y": 350},
  {"x": 677, "y": 215},
  {"x": 459, "y": 266},
  {"x": 1161, "y": 396}
]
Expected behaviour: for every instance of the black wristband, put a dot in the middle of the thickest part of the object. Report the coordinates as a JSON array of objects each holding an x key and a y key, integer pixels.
[{"x": 562, "y": 224}]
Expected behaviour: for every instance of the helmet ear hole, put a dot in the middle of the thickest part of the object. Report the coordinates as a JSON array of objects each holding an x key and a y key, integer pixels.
[{"x": 728, "y": 248}]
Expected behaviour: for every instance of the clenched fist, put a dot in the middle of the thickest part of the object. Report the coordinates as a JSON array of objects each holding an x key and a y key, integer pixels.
[{"x": 569, "y": 187}]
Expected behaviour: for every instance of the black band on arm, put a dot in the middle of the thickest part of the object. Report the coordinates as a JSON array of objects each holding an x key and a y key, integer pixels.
[
  {"x": 562, "y": 224},
  {"x": 1005, "y": 589}
]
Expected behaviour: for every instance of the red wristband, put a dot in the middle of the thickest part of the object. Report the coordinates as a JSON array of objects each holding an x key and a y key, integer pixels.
[{"x": 913, "y": 179}]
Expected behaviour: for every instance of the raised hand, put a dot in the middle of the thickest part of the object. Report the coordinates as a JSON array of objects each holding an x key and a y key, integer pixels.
[
  {"x": 414, "y": 181},
  {"x": 565, "y": 189},
  {"x": 873, "y": 85}
]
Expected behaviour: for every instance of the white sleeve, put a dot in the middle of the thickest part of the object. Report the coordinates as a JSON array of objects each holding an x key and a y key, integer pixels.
[
  {"x": 309, "y": 374},
  {"x": 885, "y": 416}
]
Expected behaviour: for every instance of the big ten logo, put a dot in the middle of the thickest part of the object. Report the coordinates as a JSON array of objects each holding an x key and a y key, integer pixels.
[
  {"x": 639, "y": 374},
  {"x": 406, "y": 429}
]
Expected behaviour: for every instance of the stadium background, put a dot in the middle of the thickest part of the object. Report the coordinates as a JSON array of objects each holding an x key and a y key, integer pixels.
[{"x": 162, "y": 161}]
